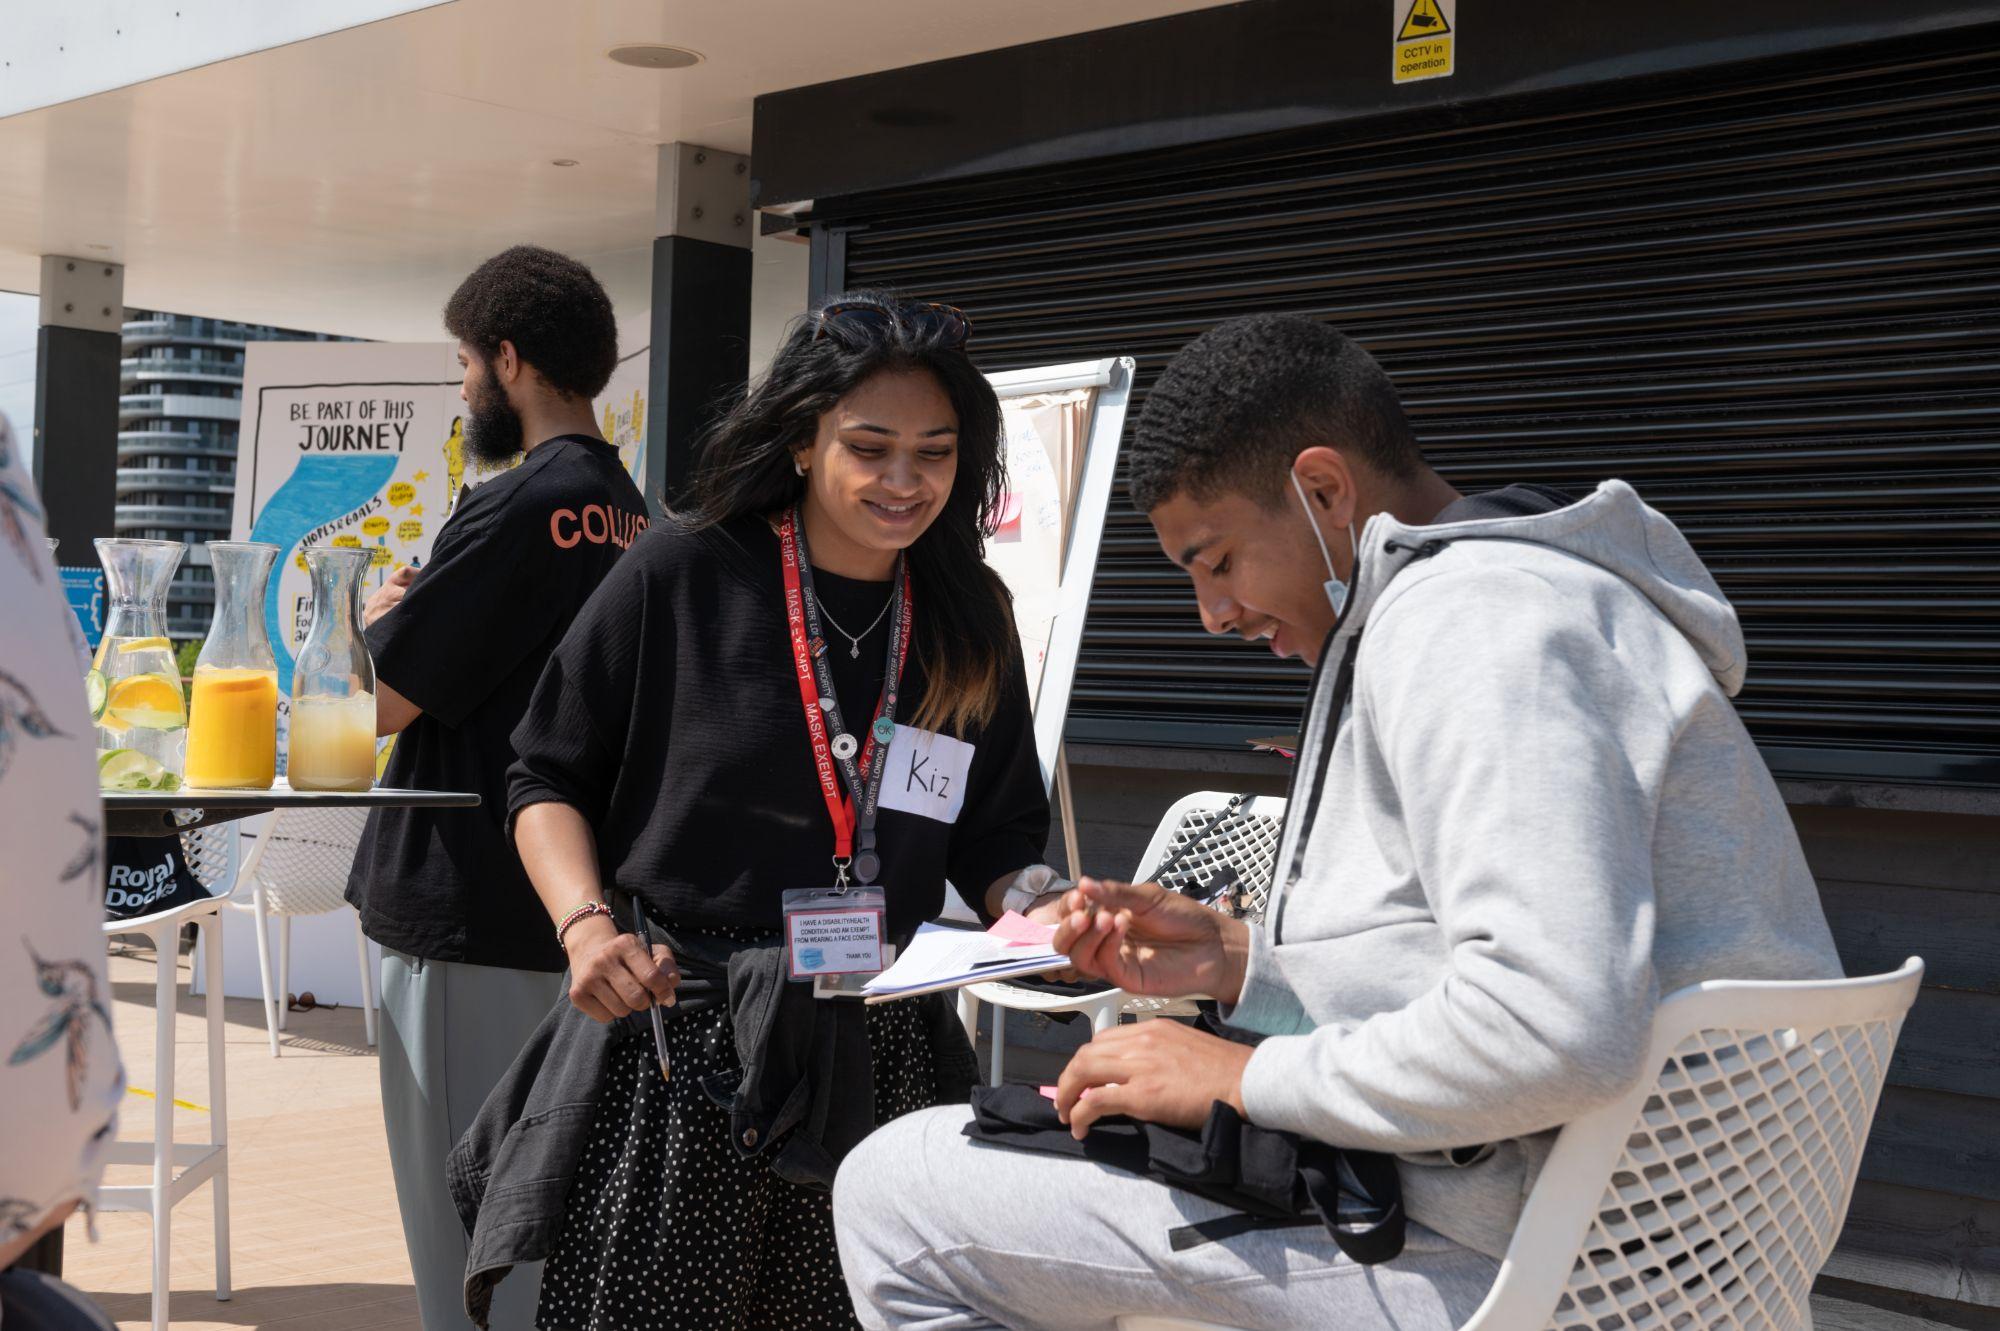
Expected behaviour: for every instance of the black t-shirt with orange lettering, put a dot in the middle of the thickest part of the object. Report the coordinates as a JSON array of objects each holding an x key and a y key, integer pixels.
[
  {"x": 510, "y": 569},
  {"x": 670, "y": 718}
]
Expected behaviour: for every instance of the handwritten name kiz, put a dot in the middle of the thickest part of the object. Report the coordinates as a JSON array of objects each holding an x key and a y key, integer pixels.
[{"x": 367, "y": 426}]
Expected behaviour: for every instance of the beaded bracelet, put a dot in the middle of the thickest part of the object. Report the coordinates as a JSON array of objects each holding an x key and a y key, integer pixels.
[{"x": 583, "y": 912}]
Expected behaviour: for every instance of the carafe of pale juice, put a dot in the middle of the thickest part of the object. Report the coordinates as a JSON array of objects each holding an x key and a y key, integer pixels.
[
  {"x": 133, "y": 684},
  {"x": 233, "y": 715},
  {"x": 333, "y": 684}
]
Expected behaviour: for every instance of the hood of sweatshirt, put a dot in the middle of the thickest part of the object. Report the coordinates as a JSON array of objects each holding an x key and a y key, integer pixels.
[{"x": 1611, "y": 528}]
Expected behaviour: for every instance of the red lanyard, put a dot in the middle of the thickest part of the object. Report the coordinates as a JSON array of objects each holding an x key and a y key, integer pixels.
[{"x": 840, "y": 808}]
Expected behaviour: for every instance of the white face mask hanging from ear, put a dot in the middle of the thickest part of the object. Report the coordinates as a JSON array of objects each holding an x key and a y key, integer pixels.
[{"x": 1336, "y": 590}]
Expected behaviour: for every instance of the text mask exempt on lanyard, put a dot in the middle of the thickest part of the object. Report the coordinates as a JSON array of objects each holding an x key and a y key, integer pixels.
[{"x": 839, "y": 930}]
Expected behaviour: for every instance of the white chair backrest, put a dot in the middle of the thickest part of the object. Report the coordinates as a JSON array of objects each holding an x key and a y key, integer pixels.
[
  {"x": 1729, "y": 1176},
  {"x": 212, "y": 853},
  {"x": 302, "y": 859},
  {"x": 1210, "y": 831}
]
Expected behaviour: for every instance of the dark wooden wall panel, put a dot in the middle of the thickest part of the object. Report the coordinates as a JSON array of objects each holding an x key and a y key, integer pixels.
[
  {"x": 1935, "y": 1140},
  {"x": 1958, "y": 852},
  {"x": 1876, "y": 925},
  {"x": 1951, "y": 1042},
  {"x": 1118, "y": 809},
  {"x": 1925, "y": 1243},
  {"x": 1842, "y": 1305}
]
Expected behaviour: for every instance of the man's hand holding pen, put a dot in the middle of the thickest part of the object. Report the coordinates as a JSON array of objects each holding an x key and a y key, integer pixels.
[{"x": 1148, "y": 940}]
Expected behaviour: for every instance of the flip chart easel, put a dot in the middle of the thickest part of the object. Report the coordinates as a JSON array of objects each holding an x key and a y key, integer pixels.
[{"x": 1063, "y": 426}]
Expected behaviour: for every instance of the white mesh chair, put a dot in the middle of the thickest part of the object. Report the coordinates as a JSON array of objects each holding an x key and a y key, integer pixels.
[
  {"x": 298, "y": 866},
  {"x": 1208, "y": 840},
  {"x": 1710, "y": 1196},
  {"x": 180, "y": 1168}
]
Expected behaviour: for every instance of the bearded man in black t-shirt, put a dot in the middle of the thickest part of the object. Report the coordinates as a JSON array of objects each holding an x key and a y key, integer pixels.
[{"x": 470, "y": 966}]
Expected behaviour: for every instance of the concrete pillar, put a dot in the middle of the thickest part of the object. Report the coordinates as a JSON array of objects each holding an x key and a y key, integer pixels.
[
  {"x": 701, "y": 307},
  {"x": 76, "y": 399}
]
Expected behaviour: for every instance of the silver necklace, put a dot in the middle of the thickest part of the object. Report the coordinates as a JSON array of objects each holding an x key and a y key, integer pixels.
[{"x": 853, "y": 639}]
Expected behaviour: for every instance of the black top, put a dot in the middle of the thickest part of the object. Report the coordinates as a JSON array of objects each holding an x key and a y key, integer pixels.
[
  {"x": 510, "y": 570},
  {"x": 1509, "y": 501},
  {"x": 670, "y": 717}
]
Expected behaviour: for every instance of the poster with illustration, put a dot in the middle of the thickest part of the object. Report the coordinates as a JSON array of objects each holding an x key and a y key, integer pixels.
[
  {"x": 621, "y": 411},
  {"x": 345, "y": 444},
  {"x": 348, "y": 444},
  {"x": 361, "y": 444}
]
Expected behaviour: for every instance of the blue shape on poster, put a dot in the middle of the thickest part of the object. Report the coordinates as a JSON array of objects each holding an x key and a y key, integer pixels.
[
  {"x": 321, "y": 490},
  {"x": 83, "y": 588}
]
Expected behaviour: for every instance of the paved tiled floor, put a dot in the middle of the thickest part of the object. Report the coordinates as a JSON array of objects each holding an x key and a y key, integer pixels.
[{"x": 315, "y": 1239}]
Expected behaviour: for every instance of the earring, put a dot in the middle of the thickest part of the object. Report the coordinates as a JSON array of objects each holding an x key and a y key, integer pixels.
[{"x": 798, "y": 467}]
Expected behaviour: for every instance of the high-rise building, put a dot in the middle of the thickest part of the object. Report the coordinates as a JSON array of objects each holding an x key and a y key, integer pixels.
[{"x": 179, "y": 402}]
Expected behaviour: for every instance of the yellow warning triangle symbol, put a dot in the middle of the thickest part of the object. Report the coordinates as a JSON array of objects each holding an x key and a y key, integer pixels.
[{"x": 1425, "y": 19}]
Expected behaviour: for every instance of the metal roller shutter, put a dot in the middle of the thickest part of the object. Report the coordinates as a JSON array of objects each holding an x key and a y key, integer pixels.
[{"x": 1772, "y": 305}]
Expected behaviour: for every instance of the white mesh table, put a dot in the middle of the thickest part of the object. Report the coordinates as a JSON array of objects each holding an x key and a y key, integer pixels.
[{"x": 170, "y": 812}]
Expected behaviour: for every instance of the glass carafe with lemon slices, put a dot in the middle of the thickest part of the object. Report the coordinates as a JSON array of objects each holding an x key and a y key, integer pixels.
[
  {"x": 233, "y": 716},
  {"x": 133, "y": 684}
]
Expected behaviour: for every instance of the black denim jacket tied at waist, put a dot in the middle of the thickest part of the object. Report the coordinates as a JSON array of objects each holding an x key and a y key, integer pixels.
[{"x": 801, "y": 1097}]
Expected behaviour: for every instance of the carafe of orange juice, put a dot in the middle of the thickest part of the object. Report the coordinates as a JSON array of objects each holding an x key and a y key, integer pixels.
[
  {"x": 333, "y": 684},
  {"x": 232, "y": 737}
]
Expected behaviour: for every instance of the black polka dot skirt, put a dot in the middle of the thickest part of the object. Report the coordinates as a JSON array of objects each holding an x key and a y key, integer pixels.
[{"x": 666, "y": 1226}]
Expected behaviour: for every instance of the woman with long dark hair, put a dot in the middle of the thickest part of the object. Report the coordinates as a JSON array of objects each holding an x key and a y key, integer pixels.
[{"x": 782, "y": 723}]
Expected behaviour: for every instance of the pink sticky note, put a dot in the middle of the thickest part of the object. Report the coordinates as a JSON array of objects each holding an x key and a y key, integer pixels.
[{"x": 1017, "y": 930}]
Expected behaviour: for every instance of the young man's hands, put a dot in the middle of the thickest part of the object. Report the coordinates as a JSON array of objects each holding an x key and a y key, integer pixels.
[
  {"x": 1155, "y": 1071},
  {"x": 1147, "y": 940}
]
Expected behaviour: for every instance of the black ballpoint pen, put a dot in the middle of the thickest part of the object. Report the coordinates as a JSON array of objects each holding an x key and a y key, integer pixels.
[{"x": 659, "y": 1022}]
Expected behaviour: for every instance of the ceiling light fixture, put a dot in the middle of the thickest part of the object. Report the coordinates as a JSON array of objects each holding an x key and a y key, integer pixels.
[{"x": 653, "y": 55}]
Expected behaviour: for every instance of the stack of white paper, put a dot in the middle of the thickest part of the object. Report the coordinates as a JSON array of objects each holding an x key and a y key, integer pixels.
[{"x": 941, "y": 958}]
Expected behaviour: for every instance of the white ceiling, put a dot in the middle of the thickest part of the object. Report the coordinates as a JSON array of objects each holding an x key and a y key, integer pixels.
[
  {"x": 54, "y": 53},
  {"x": 345, "y": 184}
]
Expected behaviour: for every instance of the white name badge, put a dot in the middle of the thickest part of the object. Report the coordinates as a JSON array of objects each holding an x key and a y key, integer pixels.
[
  {"x": 829, "y": 932},
  {"x": 926, "y": 774}
]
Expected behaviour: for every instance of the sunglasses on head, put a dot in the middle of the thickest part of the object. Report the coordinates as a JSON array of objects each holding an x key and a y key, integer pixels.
[{"x": 943, "y": 322}]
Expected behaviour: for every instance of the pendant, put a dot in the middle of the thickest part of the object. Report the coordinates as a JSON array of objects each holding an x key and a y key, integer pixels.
[{"x": 854, "y": 652}]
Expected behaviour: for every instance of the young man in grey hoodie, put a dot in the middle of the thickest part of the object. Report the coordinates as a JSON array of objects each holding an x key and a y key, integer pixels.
[{"x": 1524, "y": 809}]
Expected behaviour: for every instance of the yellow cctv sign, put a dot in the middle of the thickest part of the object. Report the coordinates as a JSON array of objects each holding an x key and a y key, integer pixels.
[{"x": 1425, "y": 33}]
